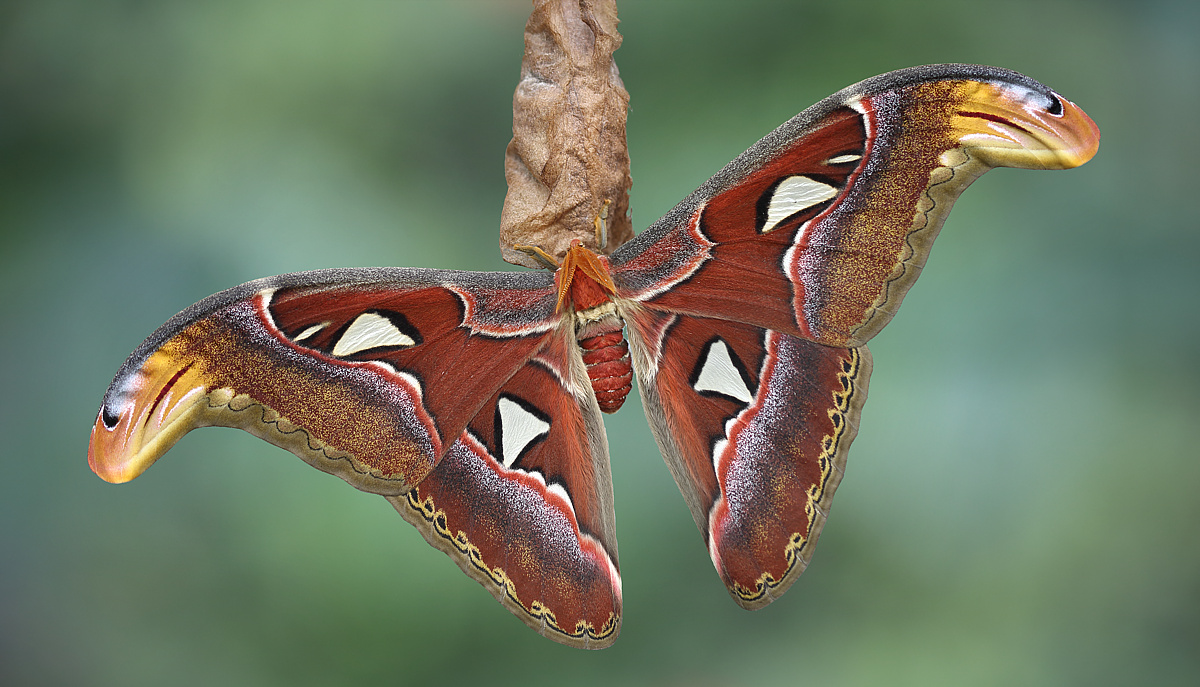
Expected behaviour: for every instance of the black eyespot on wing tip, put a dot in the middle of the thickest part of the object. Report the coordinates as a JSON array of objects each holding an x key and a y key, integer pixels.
[
  {"x": 108, "y": 418},
  {"x": 1056, "y": 106}
]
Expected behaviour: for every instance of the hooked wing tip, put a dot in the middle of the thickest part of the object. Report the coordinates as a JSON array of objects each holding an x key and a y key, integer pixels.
[
  {"x": 112, "y": 458},
  {"x": 1086, "y": 139},
  {"x": 1011, "y": 125},
  {"x": 144, "y": 413}
]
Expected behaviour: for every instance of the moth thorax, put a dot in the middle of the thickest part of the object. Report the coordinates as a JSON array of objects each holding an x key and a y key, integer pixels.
[{"x": 606, "y": 354}]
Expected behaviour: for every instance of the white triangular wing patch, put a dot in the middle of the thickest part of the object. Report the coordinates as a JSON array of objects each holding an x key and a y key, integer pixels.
[
  {"x": 717, "y": 373},
  {"x": 369, "y": 330},
  {"x": 792, "y": 195},
  {"x": 518, "y": 429},
  {"x": 310, "y": 331},
  {"x": 843, "y": 159}
]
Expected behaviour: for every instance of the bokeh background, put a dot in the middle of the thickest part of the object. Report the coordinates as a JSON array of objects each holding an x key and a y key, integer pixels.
[{"x": 1022, "y": 505}]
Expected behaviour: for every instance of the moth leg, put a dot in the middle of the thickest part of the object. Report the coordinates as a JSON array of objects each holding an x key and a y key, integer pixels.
[
  {"x": 540, "y": 255},
  {"x": 601, "y": 222}
]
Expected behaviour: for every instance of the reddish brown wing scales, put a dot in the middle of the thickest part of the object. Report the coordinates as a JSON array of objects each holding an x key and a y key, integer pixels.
[
  {"x": 743, "y": 212},
  {"x": 523, "y": 503},
  {"x": 755, "y": 427},
  {"x": 697, "y": 418},
  {"x": 535, "y": 423},
  {"x": 752, "y": 237},
  {"x": 524, "y": 551},
  {"x": 465, "y": 367},
  {"x": 784, "y": 458}
]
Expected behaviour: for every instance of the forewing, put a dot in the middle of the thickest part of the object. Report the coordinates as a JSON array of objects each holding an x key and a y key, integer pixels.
[
  {"x": 755, "y": 425},
  {"x": 820, "y": 229},
  {"x": 523, "y": 501},
  {"x": 368, "y": 374}
]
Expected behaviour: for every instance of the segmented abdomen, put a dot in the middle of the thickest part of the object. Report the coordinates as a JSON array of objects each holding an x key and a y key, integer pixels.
[{"x": 609, "y": 368}]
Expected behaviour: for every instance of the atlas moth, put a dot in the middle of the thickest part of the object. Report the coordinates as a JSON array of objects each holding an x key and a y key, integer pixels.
[{"x": 472, "y": 401}]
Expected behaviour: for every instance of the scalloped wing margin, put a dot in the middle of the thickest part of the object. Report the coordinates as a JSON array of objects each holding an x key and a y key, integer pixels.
[
  {"x": 755, "y": 426},
  {"x": 523, "y": 502}
]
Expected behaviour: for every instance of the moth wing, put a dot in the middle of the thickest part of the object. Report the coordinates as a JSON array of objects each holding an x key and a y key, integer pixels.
[
  {"x": 368, "y": 374},
  {"x": 755, "y": 426},
  {"x": 820, "y": 228},
  {"x": 523, "y": 501}
]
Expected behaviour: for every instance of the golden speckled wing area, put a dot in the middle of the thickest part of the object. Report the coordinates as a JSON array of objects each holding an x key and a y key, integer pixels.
[{"x": 930, "y": 141}]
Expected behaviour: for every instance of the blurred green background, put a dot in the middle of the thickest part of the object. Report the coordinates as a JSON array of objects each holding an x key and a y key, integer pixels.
[{"x": 1022, "y": 505}]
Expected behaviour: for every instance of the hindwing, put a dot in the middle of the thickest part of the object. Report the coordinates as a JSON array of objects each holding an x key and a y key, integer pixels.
[
  {"x": 523, "y": 501},
  {"x": 755, "y": 425}
]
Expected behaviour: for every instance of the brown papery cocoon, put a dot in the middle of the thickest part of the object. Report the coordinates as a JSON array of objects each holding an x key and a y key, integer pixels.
[{"x": 568, "y": 154}]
